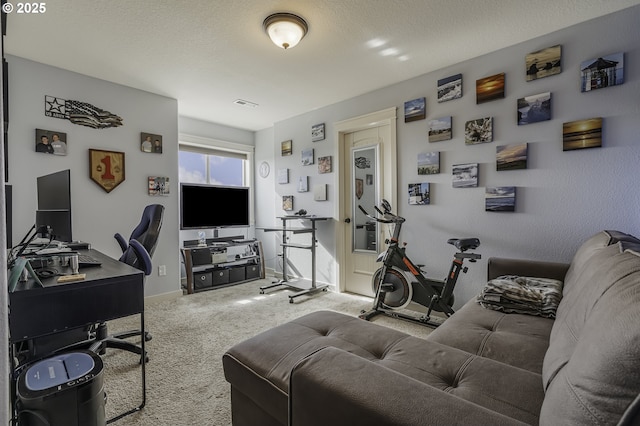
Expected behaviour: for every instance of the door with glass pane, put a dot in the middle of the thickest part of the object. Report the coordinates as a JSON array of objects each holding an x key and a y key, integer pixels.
[{"x": 364, "y": 151}]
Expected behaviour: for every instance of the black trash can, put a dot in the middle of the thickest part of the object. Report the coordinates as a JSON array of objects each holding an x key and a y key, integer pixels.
[{"x": 63, "y": 390}]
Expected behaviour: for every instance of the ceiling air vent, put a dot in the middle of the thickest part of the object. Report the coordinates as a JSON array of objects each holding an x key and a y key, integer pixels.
[{"x": 244, "y": 103}]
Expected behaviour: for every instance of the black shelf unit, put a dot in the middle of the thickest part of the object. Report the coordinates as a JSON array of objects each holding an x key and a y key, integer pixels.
[{"x": 208, "y": 267}]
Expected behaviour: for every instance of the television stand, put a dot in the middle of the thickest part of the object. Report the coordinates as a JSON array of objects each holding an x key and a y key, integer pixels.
[
  {"x": 209, "y": 266},
  {"x": 312, "y": 247}
]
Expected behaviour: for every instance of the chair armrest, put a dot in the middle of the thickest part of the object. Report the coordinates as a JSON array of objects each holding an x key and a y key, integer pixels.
[
  {"x": 498, "y": 266},
  {"x": 335, "y": 387},
  {"x": 121, "y": 241},
  {"x": 142, "y": 254}
]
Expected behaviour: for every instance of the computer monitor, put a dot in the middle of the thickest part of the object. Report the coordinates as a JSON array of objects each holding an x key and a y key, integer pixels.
[{"x": 54, "y": 204}]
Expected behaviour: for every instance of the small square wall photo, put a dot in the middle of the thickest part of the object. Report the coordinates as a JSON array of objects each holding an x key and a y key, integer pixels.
[
  {"x": 440, "y": 129},
  {"x": 151, "y": 143},
  {"x": 415, "y": 110},
  {"x": 500, "y": 199},
  {"x": 51, "y": 142},
  {"x": 419, "y": 194}
]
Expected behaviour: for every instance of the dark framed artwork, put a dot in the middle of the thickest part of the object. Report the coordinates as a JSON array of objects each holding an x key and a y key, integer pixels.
[
  {"x": 317, "y": 132},
  {"x": 490, "y": 88},
  {"x": 602, "y": 72},
  {"x": 512, "y": 157},
  {"x": 500, "y": 199},
  {"x": 440, "y": 129},
  {"x": 450, "y": 88},
  {"x": 287, "y": 203},
  {"x": 478, "y": 131},
  {"x": 535, "y": 108},
  {"x": 419, "y": 194},
  {"x": 286, "y": 148},
  {"x": 106, "y": 168},
  {"x": 151, "y": 143},
  {"x": 415, "y": 110},
  {"x": 582, "y": 134},
  {"x": 429, "y": 163},
  {"x": 51, "y": 142},
  {"x": 465, "y": 175},
  {"x": 543, "y": 63}
]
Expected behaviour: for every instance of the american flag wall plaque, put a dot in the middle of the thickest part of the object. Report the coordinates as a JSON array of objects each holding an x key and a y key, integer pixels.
[{"x": 80, "y": 113}]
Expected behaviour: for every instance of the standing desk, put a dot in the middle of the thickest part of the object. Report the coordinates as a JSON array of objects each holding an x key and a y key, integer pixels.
[{"x": 112, "y": 290}]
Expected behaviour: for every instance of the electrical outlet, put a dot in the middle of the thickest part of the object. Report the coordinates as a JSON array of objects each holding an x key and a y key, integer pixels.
[{"x": 162, "y": 270}]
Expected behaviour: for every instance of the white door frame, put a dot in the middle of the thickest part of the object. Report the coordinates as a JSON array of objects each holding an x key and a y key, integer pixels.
[{"x": 389, "y": 182}]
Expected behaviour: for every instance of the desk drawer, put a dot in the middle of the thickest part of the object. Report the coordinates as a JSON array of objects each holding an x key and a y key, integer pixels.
[
  {"x": 220, "y": 276},
  {"x": 202, "y": 280}
]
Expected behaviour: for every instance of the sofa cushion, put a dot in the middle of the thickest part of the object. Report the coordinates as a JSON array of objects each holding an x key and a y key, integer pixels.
[
  {"x": 265, "y": 362},
  {"x": 515, "y": 339},
  {"x": 591, "y": 371}
]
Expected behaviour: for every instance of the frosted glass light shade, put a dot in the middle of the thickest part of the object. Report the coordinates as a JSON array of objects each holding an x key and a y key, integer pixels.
[{"x": 285, "y": 29}]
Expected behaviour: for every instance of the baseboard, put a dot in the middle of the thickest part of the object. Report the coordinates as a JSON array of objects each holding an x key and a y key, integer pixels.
[{"x": 156, "y": 298}]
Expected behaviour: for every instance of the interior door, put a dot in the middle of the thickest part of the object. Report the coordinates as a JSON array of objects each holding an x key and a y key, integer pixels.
[{"x": 366, "y": 181}]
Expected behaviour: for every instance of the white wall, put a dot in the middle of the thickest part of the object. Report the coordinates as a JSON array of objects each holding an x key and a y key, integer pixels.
[
  {"x": 96, "y": 214},
  {"x": 562, "y": 198}
]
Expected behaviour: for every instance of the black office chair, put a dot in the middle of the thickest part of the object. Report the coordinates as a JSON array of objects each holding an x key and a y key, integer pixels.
[{"x": 137, "y": 253}]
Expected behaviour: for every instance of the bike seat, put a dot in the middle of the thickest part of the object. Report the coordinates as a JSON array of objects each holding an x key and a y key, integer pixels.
[{"x": 464, "y": 244}]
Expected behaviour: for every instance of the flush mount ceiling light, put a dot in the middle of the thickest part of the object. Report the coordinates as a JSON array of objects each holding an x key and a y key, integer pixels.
[{"x": 285, "y": 29}]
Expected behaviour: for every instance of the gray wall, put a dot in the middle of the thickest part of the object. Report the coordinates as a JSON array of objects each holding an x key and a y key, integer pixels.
[
  {"x": 562, "y": 198},
  {"x": 96, "y": 215}
]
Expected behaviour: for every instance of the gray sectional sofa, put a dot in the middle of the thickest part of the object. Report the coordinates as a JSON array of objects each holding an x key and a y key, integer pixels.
[{"x": 481, "y": 367}]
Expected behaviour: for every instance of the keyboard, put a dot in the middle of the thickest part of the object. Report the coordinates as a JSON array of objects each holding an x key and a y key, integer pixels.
[{"x": 84, "y": 260}]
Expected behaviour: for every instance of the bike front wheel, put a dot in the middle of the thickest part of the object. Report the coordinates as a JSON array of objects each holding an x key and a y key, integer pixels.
[{"x": 402, "y": 290}]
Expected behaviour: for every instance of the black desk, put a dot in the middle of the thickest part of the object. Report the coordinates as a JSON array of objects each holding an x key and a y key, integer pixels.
[{"x": 113, "y": 290}]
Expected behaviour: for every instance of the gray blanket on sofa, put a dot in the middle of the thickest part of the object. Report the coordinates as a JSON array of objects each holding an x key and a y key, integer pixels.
[{"x": 523, "y": 295}]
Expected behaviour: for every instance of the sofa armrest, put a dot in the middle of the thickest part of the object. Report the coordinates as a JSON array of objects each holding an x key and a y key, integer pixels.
[
  {"x": 335, "y": 387},
  {"x": 498, "y": 266}
]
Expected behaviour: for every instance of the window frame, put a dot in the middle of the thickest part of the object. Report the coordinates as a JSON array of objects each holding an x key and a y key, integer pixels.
[{"x": 219, "y": 147}]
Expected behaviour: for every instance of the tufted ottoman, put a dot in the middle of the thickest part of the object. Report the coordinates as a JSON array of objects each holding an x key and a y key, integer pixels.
[{"x": 259, "y": 369}]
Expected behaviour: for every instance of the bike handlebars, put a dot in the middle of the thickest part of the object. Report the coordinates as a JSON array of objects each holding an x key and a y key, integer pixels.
[{"x": 388, "y": 216}]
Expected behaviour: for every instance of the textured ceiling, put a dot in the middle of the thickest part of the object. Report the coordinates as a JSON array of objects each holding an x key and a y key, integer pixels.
[{"x": 208, "y": 53}]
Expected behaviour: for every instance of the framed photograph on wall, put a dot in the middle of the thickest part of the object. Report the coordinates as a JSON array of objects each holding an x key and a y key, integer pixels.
[
  {"x": 602, "y": 72},
  {"x": 415, "y": 110},
  {"x": 158, "y": 186},
  {"x": 324, "y": 164},
  {"x": 450, "y": 88},
  {"x": 307, "y": 157},
  {"x": 317, "y": 132},
  {"x": 151, "y": 143},
  {"x": 490, "y": 88},
  {"x": 303, "y": 184},
  {"x": 429, "y": 163},
  {"x": 543, "y": 63},
  {"x": 478, "y": 131},
  {"x": 320, "y": 192},
  {"x": 419, "y": 194},
  {"x": 287, "y": 203},
  {"x": 511, "y": 157},
  {"x": 582, "y": 134},
  {"x": 283, "y": 176},
  {"x": 465, "y": 175},
  {"x": 440, "y": 129},
  {"x": 500, "y": 199},
  {"x": 535, "y": 108},
  {"x": 51, "y": 142},
  {"x": 286, "y": 148}
]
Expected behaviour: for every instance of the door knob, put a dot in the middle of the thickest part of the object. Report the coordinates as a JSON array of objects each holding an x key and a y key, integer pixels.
[{"x": 347, "y": 220}]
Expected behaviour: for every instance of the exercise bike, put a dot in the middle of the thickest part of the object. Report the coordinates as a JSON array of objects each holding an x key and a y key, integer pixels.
[{"x": 399, "y": 281}]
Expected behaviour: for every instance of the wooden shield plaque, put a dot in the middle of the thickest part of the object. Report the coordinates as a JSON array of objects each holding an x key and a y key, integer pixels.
[{"x": 107, "y": 168}]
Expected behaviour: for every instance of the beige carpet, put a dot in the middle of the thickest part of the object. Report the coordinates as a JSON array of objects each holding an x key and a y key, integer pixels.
[{"x": 185, "y": 380}]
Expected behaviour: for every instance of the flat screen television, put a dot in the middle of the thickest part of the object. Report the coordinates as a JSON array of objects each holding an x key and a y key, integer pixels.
[
  {"x": 54, "y": 204},
  {"x": 213, "y": 206}
]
